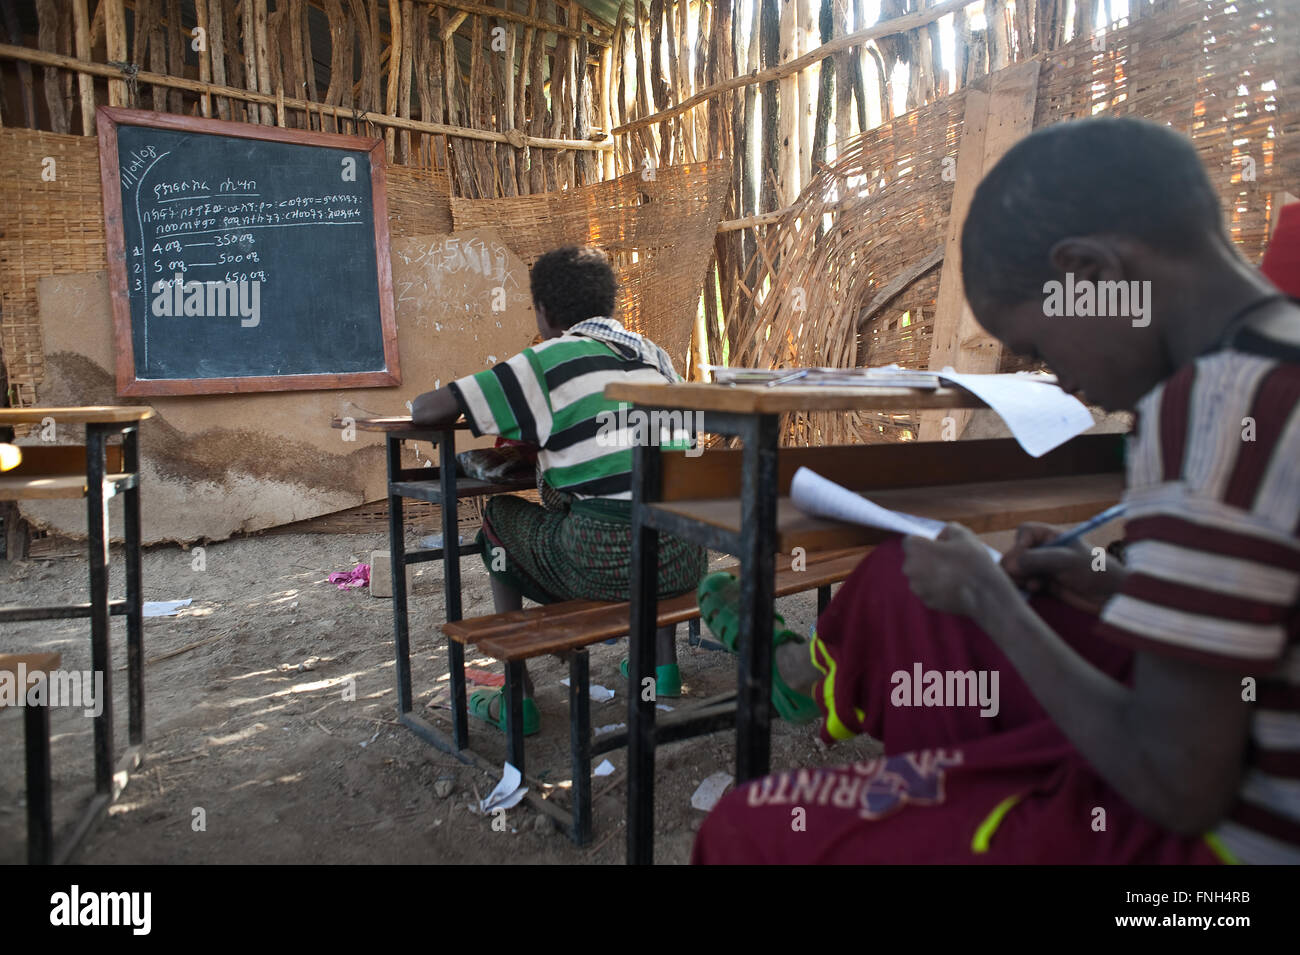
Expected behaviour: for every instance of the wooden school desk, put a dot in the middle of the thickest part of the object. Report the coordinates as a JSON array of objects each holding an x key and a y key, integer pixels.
[
  {"x": 738, "y": 509},
  {"x": 97, "y": 472},
  {"x": 439, "y": 486}
]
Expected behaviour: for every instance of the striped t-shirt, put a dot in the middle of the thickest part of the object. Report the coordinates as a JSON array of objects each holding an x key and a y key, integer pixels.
[
  {"x": 553, "y": 395},
  {"x": 1214, "y": 558}
]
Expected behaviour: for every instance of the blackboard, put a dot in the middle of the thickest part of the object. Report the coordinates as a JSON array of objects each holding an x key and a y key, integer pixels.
[{"x": 245, "y": 258}]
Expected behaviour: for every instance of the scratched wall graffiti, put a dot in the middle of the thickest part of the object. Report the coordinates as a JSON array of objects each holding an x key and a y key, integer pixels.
[{"x": 469, "y": 284}]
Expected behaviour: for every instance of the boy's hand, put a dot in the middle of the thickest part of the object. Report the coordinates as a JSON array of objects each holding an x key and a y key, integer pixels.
[
  {"x": 435, "y": 408},
  {"x": 1064, "y": 571},
  {"x": 953, "y": 573}
]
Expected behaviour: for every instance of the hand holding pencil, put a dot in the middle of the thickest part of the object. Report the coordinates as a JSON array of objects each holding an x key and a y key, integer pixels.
[{"x": 1045, "y": 561}]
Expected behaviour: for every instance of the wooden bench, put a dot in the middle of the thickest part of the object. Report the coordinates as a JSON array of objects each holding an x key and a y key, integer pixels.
[
  {"x": 986, "y": 485},
  {"x": 20, "y": 668},
  {"x": 567, "y": 629}
]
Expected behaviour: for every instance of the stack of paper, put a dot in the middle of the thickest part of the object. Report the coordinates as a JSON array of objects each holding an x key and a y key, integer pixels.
[
  {"x": 1037, "y": 412},
  {"x": 889, "y": 376}
]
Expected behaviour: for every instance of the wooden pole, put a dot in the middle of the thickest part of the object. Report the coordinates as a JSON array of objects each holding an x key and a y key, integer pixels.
[
  {"x": 843, "y": 85},
  {"x": 115, "y": 43},
  {"x": 996, "y": 40},
  {"x": 788, "y": 102},
  {"x": 606, "y": 100},
  {"x": 809, "y": 83},
  {"x": 85, "y": 83},
  {"x": 394, "y": 69},
  {"x": 825, "y": 90},
  {"x": 769, "y": 50},
  {"x": 177, "y": 40},
  {"x": 47, "y": 12}
]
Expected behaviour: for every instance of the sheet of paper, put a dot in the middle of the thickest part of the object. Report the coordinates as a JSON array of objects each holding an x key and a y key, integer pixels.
[
  {"x": 606, "y": 768},
  {"x": 815, "y": 495},
  {"x": 708, "y": 793},
  {"x": 165, "y": 608},
  {"x": 1040, "y": 415},
  {"x": 597, "y": 692},
  {"x": 508, "y": 792}
]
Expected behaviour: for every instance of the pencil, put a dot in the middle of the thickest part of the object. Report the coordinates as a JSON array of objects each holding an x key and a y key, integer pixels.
[{"x": 1091, "y": 524}]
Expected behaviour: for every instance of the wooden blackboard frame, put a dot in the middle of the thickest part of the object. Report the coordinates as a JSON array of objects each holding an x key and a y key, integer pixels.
[{"x": 107, "y": 119}]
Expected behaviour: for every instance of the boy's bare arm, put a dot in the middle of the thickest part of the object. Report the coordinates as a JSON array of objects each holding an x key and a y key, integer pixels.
[
  {"x": 1173, "y": 744},
  {"x": 434, "y": 408}
]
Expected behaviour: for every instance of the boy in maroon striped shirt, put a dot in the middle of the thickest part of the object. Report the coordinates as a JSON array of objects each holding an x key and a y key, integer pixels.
[{"x": 1149, "y": 711}]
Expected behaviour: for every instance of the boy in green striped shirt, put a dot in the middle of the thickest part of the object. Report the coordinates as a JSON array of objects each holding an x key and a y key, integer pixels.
[{"x": 577, "y": 545}]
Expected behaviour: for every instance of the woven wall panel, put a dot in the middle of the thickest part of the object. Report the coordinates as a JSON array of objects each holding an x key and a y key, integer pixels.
[{"x": 658, "y": 233}]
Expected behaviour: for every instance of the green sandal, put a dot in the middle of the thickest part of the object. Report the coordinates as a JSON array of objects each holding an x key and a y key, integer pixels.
[
  {"x": 718, "y": 595},
  {"x": 668, "y": 679},
  {"x": 480, "y": 702}
]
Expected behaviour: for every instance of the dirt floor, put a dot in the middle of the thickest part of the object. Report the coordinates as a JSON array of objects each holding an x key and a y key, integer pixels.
[{"x": 249, "y": 730}]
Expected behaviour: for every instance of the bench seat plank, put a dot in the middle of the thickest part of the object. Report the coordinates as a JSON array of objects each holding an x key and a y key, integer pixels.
[
  {"x": 46, "y": 487},
  {"x": 537, "y": 631}
]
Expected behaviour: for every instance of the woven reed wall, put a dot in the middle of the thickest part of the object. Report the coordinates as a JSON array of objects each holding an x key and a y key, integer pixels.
[
  {"x": 57, "y": 228},
  {"x": 658, "y": 233},
  {"x": 1223, "y": 72}
]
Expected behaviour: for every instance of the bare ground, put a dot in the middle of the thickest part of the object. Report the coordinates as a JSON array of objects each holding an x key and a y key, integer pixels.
[{"x": 247, "y": 721}]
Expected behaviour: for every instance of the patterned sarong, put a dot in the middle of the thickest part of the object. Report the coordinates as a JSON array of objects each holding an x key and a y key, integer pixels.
[{"x": 578, "y": 550}]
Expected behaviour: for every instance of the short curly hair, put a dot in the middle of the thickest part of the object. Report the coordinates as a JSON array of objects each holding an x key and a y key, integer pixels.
[
  {"x": 1085, "y": 177},
  {"x": 573, "y": 284}
]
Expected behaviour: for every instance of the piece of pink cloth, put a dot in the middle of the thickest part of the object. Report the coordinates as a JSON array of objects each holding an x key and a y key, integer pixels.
[{"x": 358, "y": 576}]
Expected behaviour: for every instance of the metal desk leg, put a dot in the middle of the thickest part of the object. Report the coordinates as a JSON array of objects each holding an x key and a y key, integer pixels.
[
  {"x": 757, "y": 593},
  {"x": 40, "y": 810},
  {"x": 647, "y": 470},
  {"x": 823, "y": 599},
  {"x": 397, "y": 560},
  {"x": 514, "y": 704},
  {"x": 580, "y": 743},
  {"x": 451, "y": 585},
  {"x": 134, "y": 607},
  {"x": 101, "y": 657}
]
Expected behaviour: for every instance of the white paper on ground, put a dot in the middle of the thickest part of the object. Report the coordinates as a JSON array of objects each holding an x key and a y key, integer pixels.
[
  {"x": 708, "y": 793},
  {"x": 609, "y": 728},
  {"x": 508, "y": 792},
  {"x": 1039, "y": 414},
  {"x": 597, "y": 692},
  {"x": 605, "y": 768},
  {"x": 815, "y": 495},
  {"x": 165, "y": 608}
]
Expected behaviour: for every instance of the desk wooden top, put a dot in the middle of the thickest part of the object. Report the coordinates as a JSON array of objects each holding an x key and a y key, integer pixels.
[
  {"x": 760, "y": 399},
  {"x": 393, "y": 423},
  {"x": 93, "y": 414}
]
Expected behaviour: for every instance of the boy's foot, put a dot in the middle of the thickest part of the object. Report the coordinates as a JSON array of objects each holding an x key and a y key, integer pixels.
[
  {"x": 489, "y": 706},
  {"x": 668, "y": 679},
  {"x": 719, "y": 597}
]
